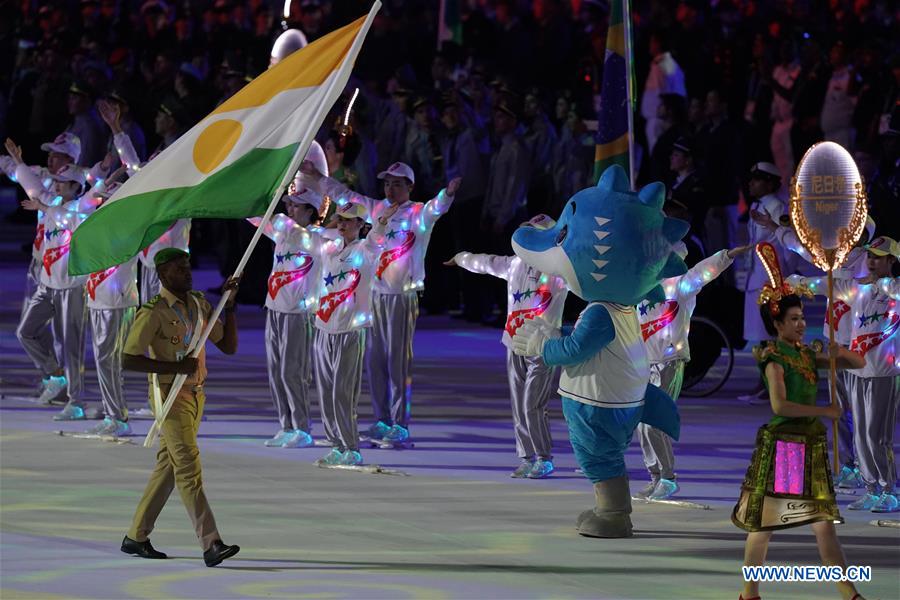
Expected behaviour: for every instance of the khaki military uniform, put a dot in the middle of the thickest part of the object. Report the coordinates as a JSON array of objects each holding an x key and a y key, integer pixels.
[{"x": 164, "y": 327}]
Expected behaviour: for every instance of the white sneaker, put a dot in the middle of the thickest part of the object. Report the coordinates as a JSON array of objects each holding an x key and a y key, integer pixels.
[
  {"x": 523, "y": 470},
  {"x": 141, "y": 413},
  {"x": 887, "y": 502},
  {"x": 867, "y": 502},
  {"x": 645, "y": 493},
  {"x": 277, "y": 440},
  {"x": 53, "y": 387},
  {"x": 298, "y": 439},
  {"x": 71, "y": 412},
  {"x": 111, "y": 427},
  {"x": 666, "y": 488}
]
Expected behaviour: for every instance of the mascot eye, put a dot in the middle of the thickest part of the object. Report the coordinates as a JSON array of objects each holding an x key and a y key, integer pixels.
[{"x": 560, "y": 238}]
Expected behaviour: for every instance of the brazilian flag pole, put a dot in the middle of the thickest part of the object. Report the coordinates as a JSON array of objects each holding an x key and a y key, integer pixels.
[
  {"x": 449, "y": 23},
  {"x": 615, "y": 123}
]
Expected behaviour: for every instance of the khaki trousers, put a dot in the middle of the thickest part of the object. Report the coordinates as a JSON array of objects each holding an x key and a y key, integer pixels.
[{"x": 177, "y": 465}]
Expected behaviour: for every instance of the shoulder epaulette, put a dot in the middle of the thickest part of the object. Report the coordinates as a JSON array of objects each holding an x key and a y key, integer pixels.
[
  {"x": 152, "y": 302},
  {"x": 197, "y": 294}
]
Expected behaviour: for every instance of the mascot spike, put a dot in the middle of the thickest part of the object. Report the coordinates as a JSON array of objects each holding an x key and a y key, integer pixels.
[
  {"x": 614, "y": 179},
  {"x": 674, "y": 229},
  {"x": 653, "y": 195}
]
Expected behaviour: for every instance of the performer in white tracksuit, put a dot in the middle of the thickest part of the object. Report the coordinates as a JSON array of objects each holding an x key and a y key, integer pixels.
[
  {"x": 112, "y": 299},
  {"x": 291, "y": 301},
  {"x": 399, "y": 277},
  {"x": 874, "y": 390},
  {"x": 62, "y": 151},
  {"x": 531, "y": 295},
  {"x": 665, "y": 327},
  {"x": 344, "y": 314},
  {"x": 853, "y": 267},
  {"x": 59, "y": 296}
]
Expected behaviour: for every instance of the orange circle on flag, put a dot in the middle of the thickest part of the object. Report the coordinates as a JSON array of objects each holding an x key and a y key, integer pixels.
[{"x": 214, "y": 144}]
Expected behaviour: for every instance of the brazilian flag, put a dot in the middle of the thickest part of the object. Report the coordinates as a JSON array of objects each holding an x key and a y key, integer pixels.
[{"x": 612, "y": 121}]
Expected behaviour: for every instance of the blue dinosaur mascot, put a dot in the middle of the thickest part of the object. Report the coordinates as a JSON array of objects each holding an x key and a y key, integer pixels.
[{"x": 612, "y": 246}]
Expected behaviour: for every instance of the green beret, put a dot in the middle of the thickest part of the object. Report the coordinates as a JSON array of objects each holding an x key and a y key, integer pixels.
[{"x": 167, "y": 254}]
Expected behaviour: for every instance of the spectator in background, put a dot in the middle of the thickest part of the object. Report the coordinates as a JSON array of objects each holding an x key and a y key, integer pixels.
[
  {"x": 665, "y": 77},
  {"x": 573, "y": 159},
  {"x": 506, "y": 194},
  {"x": 808, "y": 99},
  {"x": 422, "y": 149},
  {"x": 719, "y": 141},
  {"x": 840, "y": 100},
  {"x": 341, "y": 150},
  {"x": 86, "y": 124},
  {"x": 784, "y": 77},
  {"x": 463, "y": 159},
  {"x": 119, "y": 96},
  {"x": 672, "y": 115},
  {"x": 540, "y": 139},
  {"x": 687, "y": 188}
]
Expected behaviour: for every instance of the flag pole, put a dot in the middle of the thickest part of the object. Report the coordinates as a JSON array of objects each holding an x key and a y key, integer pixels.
[
  {"x": 629, "y": 85},
  {"x": 299, "y": 156}
]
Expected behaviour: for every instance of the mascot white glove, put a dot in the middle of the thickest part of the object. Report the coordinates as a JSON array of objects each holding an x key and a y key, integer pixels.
[{"x": 531, "y": 336}]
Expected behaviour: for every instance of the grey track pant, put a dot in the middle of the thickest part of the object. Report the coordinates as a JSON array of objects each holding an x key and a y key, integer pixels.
[
  {"x": 289, "y": 347},
  {"x": 66, "y": 309},
  {"x": 109, "y": 330},
  {"x": 530, "y": 386},
  {"x": 338, "y": 360},
  {"x": 874, "y": 401},
  {"x": 389, "y": 356}
]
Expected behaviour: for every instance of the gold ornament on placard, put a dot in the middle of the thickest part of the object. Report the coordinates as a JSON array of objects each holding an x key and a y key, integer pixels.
[{"x": 828, "y": 204}]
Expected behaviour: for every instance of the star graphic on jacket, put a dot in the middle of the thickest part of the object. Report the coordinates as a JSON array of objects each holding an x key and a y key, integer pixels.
[
  {"x": 517, "y": 296},
  {"x": 329, "y": 279},
  {"x": 644, "y": 308},
  {"x": 392, "y": 234},
  {"x": 527, "y": 294},
  {"x": 342, "y": 275}
]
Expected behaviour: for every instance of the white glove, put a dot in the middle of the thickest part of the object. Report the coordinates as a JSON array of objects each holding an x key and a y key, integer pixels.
[{"x": 531, "y": 336}]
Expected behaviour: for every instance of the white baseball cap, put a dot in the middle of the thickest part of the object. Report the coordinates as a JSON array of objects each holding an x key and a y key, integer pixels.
[
  {"x": 306, "y": 196},
  {"x": 65, "y": 143},
  {"x": 399, "y": 169},
  {"x": 70, "y": 172},
  {"x": 352, "y": 210}
]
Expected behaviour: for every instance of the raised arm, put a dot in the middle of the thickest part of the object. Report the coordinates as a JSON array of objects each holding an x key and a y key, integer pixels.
[
  {"x": 705, "y": 271},
  {"x": 440, "y": 204},
  {"x": 488, "y": 264},
  {"x": 277, "y": 227},
  {"x": 334, "y": 189}
]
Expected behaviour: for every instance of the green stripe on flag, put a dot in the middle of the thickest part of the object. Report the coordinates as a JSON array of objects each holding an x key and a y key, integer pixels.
[{"x": 119, "y": 231}]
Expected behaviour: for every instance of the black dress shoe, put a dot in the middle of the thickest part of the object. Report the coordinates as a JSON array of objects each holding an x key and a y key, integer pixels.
[
  {"x": 218, "y": 552},
  {"x": 142, "y": 549}
]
